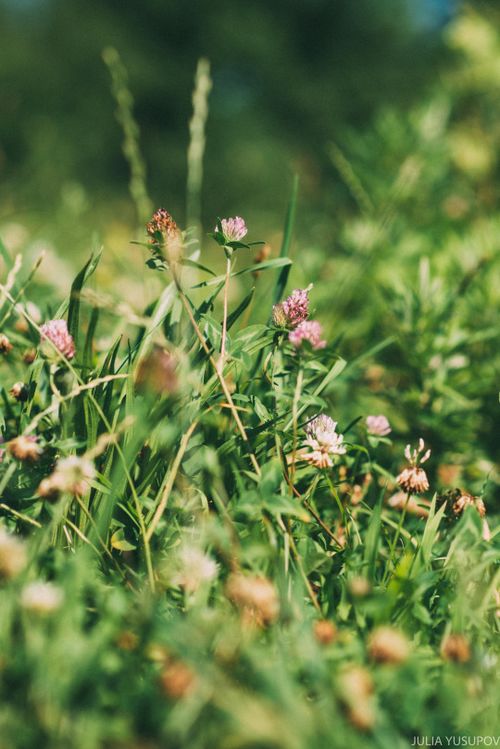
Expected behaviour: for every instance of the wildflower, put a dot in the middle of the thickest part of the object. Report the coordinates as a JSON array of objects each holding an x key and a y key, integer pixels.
[
  {"x": 256, "y": 596},
  {"x": 455, "y": 648},
  {"x": 177, "y": 680},
  {"x": 359, "y": 587},
  {"x": 413, "y": 478},
  {"x": 468, "y": 500},
  {"x": 323, "y": 441},
  {"x": 401, "y": 501},
  {"x": 356, "y": 682},
  {"x": 5, "y": 344},
  {"x": 157, "y": 372},
  {"x": 356, "y": 692},
  {"x": 232, "y": 229},
  {"x": 325, "y": 632},
  {"x": 357, "y": 494},
  {"x": 41, "y": 598},
  {"x": 19, "y": 391},
  {"x": 161, "y": 227},
  {"x": 29, "y": 356},
  {"x": 320, "y": 425},
  {"x": 56, "y": 331},
  {"x": 195, "y": 568},
  {"x": 25, "y": 447},
  {"x": 378, "y": 425},
  {"x": 293, "y": 310},
  {"x": 388, "y": 645},
  {"x": 309, "y": 331},
  {"x": 72, "y": 475},
  {"x": 362, "y": 715},
  {"x": 12, "y": 555}
]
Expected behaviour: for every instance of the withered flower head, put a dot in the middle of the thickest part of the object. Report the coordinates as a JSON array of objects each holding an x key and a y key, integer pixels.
[
  {"x": 388, "y": 645},
  {"x": 468, "y": 500},
  {"x": 161, "y": 227},
  {"x": 5, "y": 344},
  {"x": 177, "y": 680},
  {"x": 325, "y": 632},
  {"x": 29, "y": 356},
  {"x": 356, "y": 693},
  {"x": 72, "y": 475},
  {"x": 19, "y": 391},
  {"x": 25, "y": 447},
  {"x": 256, "y": 596},
  {"x": 455, "y": 647},
  {"x": 413, "y": 478},
  {"x": 12, "y": 555}
]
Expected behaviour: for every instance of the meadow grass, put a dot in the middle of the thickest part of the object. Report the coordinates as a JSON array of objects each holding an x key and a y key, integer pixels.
[{"x": 213, "y": 533}]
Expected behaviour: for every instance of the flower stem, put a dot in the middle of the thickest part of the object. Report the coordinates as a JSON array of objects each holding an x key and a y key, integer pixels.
[
  {"x": 392, "y": 548},
  {"x": 224, "y": 318},
  {"x": 220, "y": 376}
]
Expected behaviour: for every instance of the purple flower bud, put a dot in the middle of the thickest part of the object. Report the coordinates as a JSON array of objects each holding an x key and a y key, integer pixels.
[
  {"x": 233, "y": 229},
  {"x": 309, "y": 331}
]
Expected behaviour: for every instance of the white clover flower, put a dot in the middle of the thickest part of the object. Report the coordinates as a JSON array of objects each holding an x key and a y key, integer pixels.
[
  {"x": 323, "y": 441},
  {"x": 194, "y": 568},
  {"x": 72, "y": 475},
  {"x": 378, "y": 426},
  {"x": 41, "y": 598}
]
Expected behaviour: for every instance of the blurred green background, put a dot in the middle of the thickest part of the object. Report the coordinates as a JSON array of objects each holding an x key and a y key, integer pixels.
[{"x": 289, "y": 78}]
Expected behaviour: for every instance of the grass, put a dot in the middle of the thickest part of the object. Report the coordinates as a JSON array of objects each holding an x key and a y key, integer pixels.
[
  {"x": 174, "y": 570},
  {"x": 193, "y": 567}
]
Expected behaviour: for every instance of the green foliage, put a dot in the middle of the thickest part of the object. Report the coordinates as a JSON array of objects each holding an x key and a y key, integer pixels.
[{"x": 223, "y": 570}]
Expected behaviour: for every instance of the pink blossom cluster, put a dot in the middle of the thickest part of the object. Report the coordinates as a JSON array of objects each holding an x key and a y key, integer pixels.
[
  {"x": 292, "y": 313},
  {"x": 309, "y": 331},
  {"x": 378, "y": 426},
  {"x": 233, "y": 229},
  {"x": 56, "y": 331}
]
